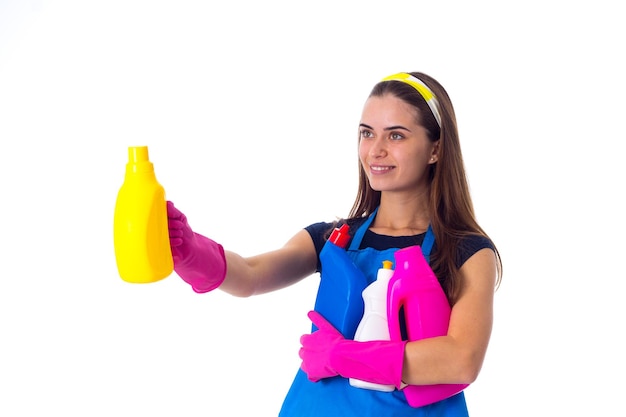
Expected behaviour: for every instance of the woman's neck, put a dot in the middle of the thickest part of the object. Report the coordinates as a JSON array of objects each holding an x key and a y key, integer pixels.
[{"x": 401, "y": 217}]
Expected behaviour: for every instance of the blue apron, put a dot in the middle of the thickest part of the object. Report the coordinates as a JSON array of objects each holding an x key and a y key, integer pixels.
[{"x": 339, "y": 300}]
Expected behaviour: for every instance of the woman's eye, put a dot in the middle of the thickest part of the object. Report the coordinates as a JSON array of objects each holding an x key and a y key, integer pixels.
[
  {"x": 396, "y": 136},
  {"x": 366, "y": 134}
]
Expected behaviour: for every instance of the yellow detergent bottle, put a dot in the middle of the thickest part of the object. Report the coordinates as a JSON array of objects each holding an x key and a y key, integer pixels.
[{"x": 140, "y": 232}]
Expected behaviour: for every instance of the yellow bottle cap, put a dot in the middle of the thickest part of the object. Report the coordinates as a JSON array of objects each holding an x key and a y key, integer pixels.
[
  {"x": 138, "y": 160},
  {"x": 138, "y": 154}
]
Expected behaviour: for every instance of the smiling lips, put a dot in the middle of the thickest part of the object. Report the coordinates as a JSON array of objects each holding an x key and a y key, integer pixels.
[{"x": 380, "y": 169}]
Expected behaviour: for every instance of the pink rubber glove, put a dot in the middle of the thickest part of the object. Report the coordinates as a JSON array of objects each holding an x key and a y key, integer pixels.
[
  {"x": 198, "y": 260},
  {"x": 326, "y": 353}
]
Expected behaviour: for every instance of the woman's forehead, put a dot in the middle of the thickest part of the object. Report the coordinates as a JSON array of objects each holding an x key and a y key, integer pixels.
[{"x": 388, "y": 110}]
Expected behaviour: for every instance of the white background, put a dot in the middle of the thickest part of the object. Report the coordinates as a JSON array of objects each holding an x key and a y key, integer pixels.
[{"x": 250, "y": 111}]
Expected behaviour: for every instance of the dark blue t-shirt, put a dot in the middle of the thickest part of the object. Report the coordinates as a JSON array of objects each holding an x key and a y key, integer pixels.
[{"x": 320, "y": 231}]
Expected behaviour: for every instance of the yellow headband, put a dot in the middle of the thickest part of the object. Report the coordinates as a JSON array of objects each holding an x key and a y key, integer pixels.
[{"x": 421, "y": 88}]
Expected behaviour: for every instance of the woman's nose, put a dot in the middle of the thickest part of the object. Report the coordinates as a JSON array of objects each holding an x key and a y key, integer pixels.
[{"x": 378, "y": 148}]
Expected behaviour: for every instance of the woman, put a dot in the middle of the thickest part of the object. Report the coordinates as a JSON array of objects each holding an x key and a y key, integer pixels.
[{"x": 412, "y": 190}]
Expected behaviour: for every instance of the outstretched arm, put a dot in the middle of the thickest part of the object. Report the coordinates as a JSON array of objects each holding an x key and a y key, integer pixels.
[
  {"x": 205, "y": 265},
  {"x": 272, "y": 270}
]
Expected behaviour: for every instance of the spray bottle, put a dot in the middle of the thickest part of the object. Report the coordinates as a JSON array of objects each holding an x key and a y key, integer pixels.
[
  {"x": 140, "y": 231},
  {"x": 339, "y": 294},
  {"x": 373, "y": 325},
  {"x": 415, "y": 288}
]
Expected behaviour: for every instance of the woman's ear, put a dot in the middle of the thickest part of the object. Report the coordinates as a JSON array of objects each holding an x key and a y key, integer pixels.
[{"x": 434, "y": 154}]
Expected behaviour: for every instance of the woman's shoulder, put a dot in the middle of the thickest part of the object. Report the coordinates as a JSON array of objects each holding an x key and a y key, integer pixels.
[
  {"x": 319, "y": 233},
  {"x": 320, "y": 229},
  {"x": 471, "y": 244}
]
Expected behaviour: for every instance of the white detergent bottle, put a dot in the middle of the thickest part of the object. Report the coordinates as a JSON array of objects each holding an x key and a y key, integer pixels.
[{"x": 373, "y": 325}]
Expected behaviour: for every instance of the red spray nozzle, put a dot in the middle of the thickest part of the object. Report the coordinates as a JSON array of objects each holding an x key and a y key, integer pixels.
[{"x": 340, "y": 236}]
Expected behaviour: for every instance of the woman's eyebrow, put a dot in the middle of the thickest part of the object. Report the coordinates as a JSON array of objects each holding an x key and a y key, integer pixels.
[
  {"x": 396, "y": 128},
  {"x": 387, "y": 128}
]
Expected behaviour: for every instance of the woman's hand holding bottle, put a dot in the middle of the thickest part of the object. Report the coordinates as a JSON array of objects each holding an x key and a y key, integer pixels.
[{"x": 198, "y": 260}]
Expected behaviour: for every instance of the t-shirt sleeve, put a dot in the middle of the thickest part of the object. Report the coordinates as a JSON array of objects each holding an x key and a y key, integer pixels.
[
  {"x": 319, "y": 232},
  {"x": 470, "y": 246}
]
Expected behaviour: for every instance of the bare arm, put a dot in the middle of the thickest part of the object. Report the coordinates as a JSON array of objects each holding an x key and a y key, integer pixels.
[
  {"x": 458, "y": 357},
  {"x": 270, "y": 271}
]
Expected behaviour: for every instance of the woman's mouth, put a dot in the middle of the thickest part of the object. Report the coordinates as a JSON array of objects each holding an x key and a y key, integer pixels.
[{"x": 380, "y": 169}]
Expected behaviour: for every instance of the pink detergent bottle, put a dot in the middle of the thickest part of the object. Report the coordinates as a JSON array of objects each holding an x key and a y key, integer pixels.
[{"x": 415, "y": 288}]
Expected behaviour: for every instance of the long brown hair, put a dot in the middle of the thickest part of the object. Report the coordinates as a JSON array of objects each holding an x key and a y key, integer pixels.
[{"x": 451, "y": 207}]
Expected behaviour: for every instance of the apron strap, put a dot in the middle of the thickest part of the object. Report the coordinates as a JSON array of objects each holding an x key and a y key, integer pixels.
[
  {"x": 427, "y": 244},
  {"x": 360, "y": 232}
]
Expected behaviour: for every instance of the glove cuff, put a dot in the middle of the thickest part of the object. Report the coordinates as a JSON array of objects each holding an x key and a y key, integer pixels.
[
  {"x": 379, "y": 362},
  {"x": 205, "y": 270}
]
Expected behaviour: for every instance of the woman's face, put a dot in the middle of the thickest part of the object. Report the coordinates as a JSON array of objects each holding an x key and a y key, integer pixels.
[{"x": 394, "y": 149}]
